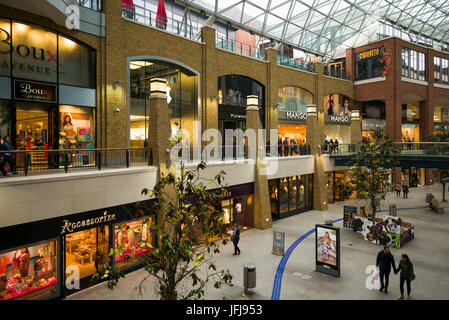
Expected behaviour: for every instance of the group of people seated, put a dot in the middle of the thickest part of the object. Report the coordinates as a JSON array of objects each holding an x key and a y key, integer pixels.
[{"x": 330, "y": 146}]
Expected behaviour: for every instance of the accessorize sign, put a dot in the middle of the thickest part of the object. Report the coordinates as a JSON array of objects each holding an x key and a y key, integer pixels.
[
  {"x": 34, "y": 91},
  {"x": 69, "y": 226}
]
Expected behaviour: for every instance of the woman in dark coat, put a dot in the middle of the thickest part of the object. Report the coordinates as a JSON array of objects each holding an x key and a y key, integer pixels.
[{"x": 406, "y": 275}]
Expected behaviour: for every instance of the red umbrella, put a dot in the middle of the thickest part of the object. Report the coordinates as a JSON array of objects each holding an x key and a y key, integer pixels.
[
  {"x": 161, "y": 16},
  {"x": 127, "y": 5}
]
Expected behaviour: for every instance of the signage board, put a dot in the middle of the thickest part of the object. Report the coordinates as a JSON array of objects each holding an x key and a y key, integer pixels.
[
  {"x": 342, "y": 120},
  {"x": 278, "y": 242},
  {"x": 292, "y": 116},
  {"x": 34, "y": 91},
  {"x": 327, "y": 251}
]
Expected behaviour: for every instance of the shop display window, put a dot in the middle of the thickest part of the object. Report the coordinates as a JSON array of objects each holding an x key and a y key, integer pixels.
[
  {"x": 441, "y": 114},
  {"x": 86, "y": 250},
  {"x": 77, "y": 128},
  {"x": 336, "y": 105},
  {"x": 368, "y": 66},
  {"x": 234, "y": 210},
  {"x": 410, "y": 133},
  {"x": 132, "y": 242},
  {"x": 29, "y": 273},
  {"x": 32, "y": 127},
  {"x": 410, "y": 112}
]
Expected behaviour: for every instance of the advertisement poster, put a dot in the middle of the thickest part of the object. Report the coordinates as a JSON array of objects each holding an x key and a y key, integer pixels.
[
  {"x": 84, "y": 134},
  {"x": 278, "y": 242},
  {"x": 327, "y": 249},
  {"x": 349, "y": 213}
]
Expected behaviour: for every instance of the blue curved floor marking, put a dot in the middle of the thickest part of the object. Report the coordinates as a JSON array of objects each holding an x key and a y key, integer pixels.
[
  {"x": 281, "y": 267},
  {"x": 275, "y": 294}
]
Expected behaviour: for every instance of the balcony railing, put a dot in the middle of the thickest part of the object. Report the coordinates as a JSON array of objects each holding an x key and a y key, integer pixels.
[
  {"x": 240, "y": 48},
  {"x": 241, "y": 152},
  {"x": 145, "y": 16},
  {"x": 337, "y": 74},
  {"x": 292, "y": 63},
  {"x": 403, "y": 148},
  {"x": 95, "y": 5},
  {"x": 37, "y": 162}
]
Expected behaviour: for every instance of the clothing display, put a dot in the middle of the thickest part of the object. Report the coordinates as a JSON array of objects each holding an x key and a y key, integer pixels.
[{"x": 26, "y": 270}]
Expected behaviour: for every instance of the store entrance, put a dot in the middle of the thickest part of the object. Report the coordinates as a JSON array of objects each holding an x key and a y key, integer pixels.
[
  {"x": 413, "y": 177},
  {"x": 32, "y": 126},
  {"x": 224, "y": 125},
  {"x": 85, "y": 252}
]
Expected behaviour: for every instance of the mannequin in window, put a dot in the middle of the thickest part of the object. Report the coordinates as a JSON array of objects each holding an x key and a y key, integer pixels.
[{"x": 21, "y": 262}]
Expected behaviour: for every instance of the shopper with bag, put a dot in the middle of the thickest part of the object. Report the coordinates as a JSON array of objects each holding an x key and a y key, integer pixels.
[
  {"x": 398, "y": 190},
  {"x": 384, "y": 262},
  {"x": 406, "y": 275}
]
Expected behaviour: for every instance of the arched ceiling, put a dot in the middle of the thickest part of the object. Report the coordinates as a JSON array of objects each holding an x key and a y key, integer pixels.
[{"x": 324, "y": 26}]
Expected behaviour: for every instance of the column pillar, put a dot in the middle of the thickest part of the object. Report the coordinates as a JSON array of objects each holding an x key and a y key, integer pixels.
[
  {"x": 356, "y": 127},
  {"x": 262, "y": 207},
  {"x": 159, "y": 132},
  {"x": 314, "y": 139},
  {"x": 426, "y": 129}
]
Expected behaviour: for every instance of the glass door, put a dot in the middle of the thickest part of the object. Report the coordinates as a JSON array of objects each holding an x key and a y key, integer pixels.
[{"x": 85, "y": 252}]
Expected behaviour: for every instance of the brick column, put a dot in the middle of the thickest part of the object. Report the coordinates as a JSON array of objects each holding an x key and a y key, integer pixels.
[
  {"x": 262, "y": 208},
  {"x": 314, "y": 138},
  {"x": 209, "y": 89},
  {"x": 272, "y": 90},
  {"x": 426, "y": 128},
  {"x": 356, "y": 127}
]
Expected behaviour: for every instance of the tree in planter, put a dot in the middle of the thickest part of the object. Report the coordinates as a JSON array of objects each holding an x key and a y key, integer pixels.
[
  {"x": 373, "y": 162},
  {"x": 189, "y": 220}
]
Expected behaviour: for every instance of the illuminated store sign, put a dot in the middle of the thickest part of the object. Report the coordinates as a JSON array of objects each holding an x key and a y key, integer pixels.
[
  {"x": 337, "y": 119},
  {"x": 73, "y": 226},
  {"x": 369, "y": 54},
  {"x": 26, "y": 90},
  {"x": 292, "y": 115}
]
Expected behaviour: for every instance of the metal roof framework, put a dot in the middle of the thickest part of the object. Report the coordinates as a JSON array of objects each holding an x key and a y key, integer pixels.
[{"x": 322, "y": 26}]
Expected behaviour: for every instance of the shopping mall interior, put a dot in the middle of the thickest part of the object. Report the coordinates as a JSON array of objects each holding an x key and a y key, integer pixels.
[{"x": 99, "y": 99}]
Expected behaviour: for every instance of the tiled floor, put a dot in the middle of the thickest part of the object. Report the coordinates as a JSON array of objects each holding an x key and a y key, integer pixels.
[{"x": 429, "y": 252}]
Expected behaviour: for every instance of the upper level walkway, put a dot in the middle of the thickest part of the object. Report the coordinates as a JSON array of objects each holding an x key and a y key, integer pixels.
[{"x": 410, "y": 154}]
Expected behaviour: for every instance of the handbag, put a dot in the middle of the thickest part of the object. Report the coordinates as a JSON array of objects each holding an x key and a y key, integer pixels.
[{"x": 412, "y": 277}]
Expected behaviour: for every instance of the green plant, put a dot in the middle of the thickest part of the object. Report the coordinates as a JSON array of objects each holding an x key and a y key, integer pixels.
[
  {"x": 189, "y": 220},
  {"x": 373, "y": 163}
]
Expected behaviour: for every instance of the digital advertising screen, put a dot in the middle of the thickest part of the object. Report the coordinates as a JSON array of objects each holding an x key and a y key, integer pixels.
[{"x": 327, "y": 241}]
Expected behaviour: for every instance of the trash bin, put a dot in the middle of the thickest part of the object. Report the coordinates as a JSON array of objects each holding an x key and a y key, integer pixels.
[
  {"x": 249, "y": 277},
  {"x": 392, "y": 210}
]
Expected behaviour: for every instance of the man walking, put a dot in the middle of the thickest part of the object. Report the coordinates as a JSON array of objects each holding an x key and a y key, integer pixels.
[
  {"x": 384, "y": 262},
  {"x": 235, "y": 239}
]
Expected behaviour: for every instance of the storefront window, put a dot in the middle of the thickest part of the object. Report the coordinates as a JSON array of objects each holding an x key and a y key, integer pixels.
[
  {"x": 283, "y": 196},
  {"x": 369, "y": 64},
  {"x": 5, "y": 48},
  {"x": 182, "y": 98},
  {"x": 294, "y": 99},
  {"x": 32, "y": 126},
  {"x": 35, "y": 53},
  {"x": 410, "y": 112},
  {"x": 29, "y": 272},
  {"x": 133, "y": 242},
  {"x": 86, "y": 251},
  {"x": 337, "y": 133},
  {"x": 336, "y": 105},
  {"x": 441, "y": 114},
  {"x": 76, "y": 63},
  {"x": 410, "y": 133},
  {"x": 290, "y": 195},
  {"x": 77, "y": 127},
  {"x": 232, "y": 93},
  {"x": 373, "y": 110}
]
